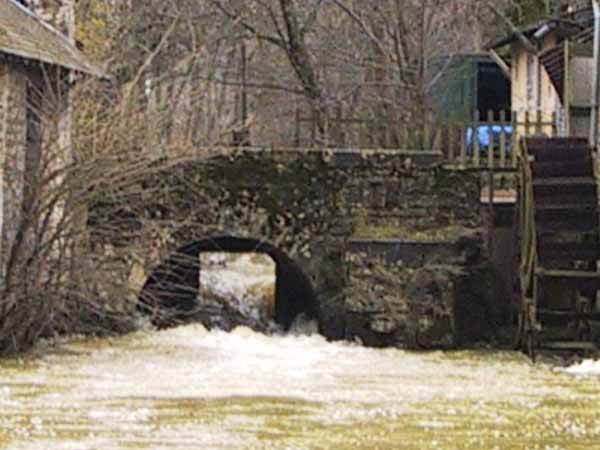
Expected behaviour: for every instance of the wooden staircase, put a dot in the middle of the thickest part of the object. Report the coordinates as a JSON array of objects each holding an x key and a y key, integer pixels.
[{"x": 558, "y": 209}]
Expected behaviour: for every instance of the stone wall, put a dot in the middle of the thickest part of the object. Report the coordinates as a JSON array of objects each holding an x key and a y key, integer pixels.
[
  {"x": 34, "y": 140},
  {"x": 416, "y": 294},
  {"x": 310, "y": 205},
  {"x": 418, "y": 275},
  {"x": 13, "y": 132}
]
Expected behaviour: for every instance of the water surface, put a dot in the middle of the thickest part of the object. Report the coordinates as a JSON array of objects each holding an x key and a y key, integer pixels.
[{"x": 188, "y": 388}]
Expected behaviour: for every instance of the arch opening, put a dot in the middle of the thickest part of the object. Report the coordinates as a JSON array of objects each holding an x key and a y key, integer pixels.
[
  {"x": 244, "y": 282},
  {"x": 172, "y": 292}
]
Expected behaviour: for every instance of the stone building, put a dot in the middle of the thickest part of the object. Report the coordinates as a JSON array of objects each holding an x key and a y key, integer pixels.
[{"x": 37, "y": 65}]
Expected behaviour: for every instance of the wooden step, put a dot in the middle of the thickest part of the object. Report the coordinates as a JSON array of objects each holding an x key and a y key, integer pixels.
[
  {"x": 584, "y": 196},
  {"x": 564, "y": 190},
  {"x": 553, "y": 211},
  {"x": 582, "y": 220},
  {"x": 581, "y": 168},
  {"x": 568, "y": 315},
  {"x": 572, "y": 207},
  {"x": 556, "y": 326},
  {"x": 557, "y": 149},
  {"x": 567, "y": 251},
  {"x": 575, "y": 276},
  {"x": 549, "y": 229},
  {"x": 569, "y": 345},
  {"x": 586, "y": 282},
  {"x": 565, "y": 181},
  {"x": 569, "y": 237},
  {"x": 561, "y": 155},
  {"x": 563, "y": 142}
]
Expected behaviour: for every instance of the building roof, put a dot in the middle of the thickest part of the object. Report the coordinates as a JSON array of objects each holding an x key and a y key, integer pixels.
[
  {"x": 553, "y": 59},
  {"x": 564, "y": 28},
  {"x": 527, "y": 31},
  {"x": 582, "y": 13},
  {"x": 24, "y": 35}
]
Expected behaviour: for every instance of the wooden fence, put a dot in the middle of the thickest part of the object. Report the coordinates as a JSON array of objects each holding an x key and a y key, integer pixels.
[
  {"x": 488, "y": 143},
  {"x": 491, "y": 144}
]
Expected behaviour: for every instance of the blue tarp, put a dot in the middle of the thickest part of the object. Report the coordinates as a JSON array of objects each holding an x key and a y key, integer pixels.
[{"x": 487, "y": 133}]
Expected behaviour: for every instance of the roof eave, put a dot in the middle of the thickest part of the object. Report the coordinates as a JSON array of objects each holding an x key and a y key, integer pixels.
[
  {"x": 91, "y": 70},
  {"x": 564, "y": 27},
  {"x": 85, "y": 66},
  {"x": 498, "y": 43}
]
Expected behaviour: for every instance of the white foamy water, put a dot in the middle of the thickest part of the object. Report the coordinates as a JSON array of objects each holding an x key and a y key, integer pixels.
[
  {"x": 188, "y": 388},
  {"x": 587, "y": 367},
  {"x": 246, "y": 281}
]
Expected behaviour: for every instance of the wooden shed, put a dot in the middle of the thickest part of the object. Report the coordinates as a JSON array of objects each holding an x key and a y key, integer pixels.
[{"x": 465, "y": 83}]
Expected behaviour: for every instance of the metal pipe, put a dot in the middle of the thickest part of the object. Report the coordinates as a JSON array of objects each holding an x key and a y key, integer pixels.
[{"x": 595, "y": 113}]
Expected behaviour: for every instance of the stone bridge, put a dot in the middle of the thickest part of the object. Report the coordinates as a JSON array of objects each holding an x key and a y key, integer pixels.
[{"x": 323, "y": 217}]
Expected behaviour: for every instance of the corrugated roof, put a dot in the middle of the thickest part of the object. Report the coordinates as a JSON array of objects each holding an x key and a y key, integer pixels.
[
  {"x": 553, "y": 60},
  {"x": 25, "y": 35}
]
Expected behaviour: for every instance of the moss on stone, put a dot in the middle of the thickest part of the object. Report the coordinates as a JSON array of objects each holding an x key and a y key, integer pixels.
[
  {"x": 443, "y": 233},
  {"x": 309, "y": 205}
]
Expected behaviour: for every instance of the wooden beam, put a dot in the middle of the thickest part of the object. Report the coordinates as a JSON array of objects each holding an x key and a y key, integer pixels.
[
  {"x": 529, "y": 46},
  {"x": 501, "y": 63}
]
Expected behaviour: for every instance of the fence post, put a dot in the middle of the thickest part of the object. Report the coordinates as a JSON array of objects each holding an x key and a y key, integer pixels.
[
  {"x": 491, "y": 212},
  {"x": 475, "y": 141},
  {"x": 326, "y": 127},
  {"x": 426, "y": 141},
  {"x": 462, "y": 129},
  {"x": 515, "y": 138},
  {"x": 362, "y": 134},
  {"x": 449, "y": 142},
  {"x": 503, "y": 139},
  {"x": 436, "y": 131},
  {"x": 403, "y": 136},
  {"x": 490, "y": 118},
  {"x": 339, "y": 128},
  {"x": 297, "y": 128},
  {"x": 313, "y": 128},
  {"x": 387, "y": 138}
]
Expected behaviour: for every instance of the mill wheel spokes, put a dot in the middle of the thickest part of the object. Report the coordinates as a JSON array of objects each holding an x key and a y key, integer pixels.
[{"x": 557, "y": 212}]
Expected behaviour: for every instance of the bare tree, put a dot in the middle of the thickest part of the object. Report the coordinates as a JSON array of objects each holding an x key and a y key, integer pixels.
[
  {"x": 287, "y": 28},
  {"x": 253, "y": 64}
]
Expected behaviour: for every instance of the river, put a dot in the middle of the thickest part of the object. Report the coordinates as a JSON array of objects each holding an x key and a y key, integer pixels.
[{"x": 188, "y": 388}]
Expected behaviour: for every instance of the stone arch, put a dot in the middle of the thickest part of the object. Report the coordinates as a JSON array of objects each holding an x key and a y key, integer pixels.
[{"x": 170, "y": 292}]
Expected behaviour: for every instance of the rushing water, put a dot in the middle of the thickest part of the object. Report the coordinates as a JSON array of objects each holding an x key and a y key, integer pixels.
[
  {"x": 245, "y": 281},
  {"x": 188, "y": 388}
]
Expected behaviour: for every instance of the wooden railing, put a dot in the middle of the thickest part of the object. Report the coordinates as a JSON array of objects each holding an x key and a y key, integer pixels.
[
  {"x": 496, "y": 145},
  {"x": 488, "y": 143}
]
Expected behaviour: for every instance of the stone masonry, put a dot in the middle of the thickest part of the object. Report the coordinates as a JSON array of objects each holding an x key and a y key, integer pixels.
[
  {"x": 13, "y": 131},
  {"x": 310, "y": 205}
]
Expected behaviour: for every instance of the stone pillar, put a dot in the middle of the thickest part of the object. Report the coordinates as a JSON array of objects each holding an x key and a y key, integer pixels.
[{"x": 13, "y": 142}]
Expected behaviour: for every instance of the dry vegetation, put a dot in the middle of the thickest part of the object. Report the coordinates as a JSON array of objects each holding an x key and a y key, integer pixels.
[{"x": 192, "y": 74}]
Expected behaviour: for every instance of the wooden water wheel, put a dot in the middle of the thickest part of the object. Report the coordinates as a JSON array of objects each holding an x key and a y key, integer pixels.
[{"x": 557, "y": 219}]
